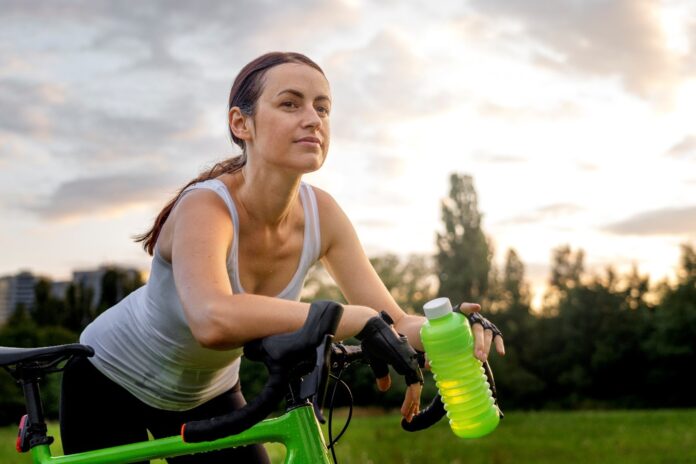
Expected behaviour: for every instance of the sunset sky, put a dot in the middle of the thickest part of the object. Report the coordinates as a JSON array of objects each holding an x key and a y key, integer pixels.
[{"x": 577, "y": 120}]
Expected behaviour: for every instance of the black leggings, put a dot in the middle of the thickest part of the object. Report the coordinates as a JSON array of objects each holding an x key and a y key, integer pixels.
[{"x": 97, "y": 413}]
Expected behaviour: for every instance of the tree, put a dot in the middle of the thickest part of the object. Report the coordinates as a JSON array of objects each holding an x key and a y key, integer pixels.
[
  {"x": 47, "y": 310},
  {"x": 116, "y": 284},
  {"x": 409, "y": 280},
  {"x": 670, "y": 347},
  {"x": 464, "y": 256},
  {"x": 79, "y": 311},
  {"x": 566, "y": 273}
]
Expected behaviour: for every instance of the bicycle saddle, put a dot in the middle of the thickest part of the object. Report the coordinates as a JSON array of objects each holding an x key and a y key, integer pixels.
[{"x": 40, "y": 359}]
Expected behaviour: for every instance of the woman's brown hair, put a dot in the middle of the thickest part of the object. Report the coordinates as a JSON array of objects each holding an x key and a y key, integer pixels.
[{"x": 245, "y": 92}]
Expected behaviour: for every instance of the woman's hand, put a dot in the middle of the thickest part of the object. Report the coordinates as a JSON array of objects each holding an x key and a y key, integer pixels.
[
  {"x": 485, "y": 332},
  {"x": 383, "y": 346}
]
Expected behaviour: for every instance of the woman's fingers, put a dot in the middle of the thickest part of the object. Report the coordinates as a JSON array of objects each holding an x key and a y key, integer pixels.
[
  {"x": 499, "y": 345},
  {"x": 479, "y": 342},
  {"x": 383, "y": 383},
  {"x": 411, "y": 404},
  {"x": 468, "y": 308},
  {"x": 487, "y": 339}
]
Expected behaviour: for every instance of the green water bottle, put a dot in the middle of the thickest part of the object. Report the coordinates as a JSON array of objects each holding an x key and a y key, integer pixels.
[{"x": 460, "y": 377}]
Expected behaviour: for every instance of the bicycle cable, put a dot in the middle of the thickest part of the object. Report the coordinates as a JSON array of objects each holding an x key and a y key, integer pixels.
[{"x": 332, "y": 441}]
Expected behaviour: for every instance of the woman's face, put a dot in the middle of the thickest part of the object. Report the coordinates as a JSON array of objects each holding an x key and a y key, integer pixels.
[{"x": 290, "y": 127}]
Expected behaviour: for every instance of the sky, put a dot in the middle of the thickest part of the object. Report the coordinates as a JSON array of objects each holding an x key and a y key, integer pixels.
[{"x": 576, "y": 119}]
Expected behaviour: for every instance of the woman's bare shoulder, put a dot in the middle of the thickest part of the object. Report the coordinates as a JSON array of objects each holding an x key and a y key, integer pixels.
[
  {"x": 325, "y": 201},
  {"x": 198, "y": 212}
]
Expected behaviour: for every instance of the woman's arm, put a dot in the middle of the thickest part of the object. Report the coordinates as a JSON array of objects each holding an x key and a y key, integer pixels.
[
  {"x": 218, "y": 318},
  {"x": 350, "y": 267}
]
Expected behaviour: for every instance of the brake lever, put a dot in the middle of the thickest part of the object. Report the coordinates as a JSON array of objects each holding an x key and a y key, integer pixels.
[{"x": 314, "y": 385}]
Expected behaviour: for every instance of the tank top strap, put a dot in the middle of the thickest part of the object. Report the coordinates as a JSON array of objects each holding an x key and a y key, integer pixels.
[
  {"x": 312, "y": 217},
  {"x": 311, "y": 246},
  {"x": 218, "y": 187}
]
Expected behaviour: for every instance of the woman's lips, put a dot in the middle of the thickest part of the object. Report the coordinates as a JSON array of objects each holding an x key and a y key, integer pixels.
[{"x": 309, "y": 141}]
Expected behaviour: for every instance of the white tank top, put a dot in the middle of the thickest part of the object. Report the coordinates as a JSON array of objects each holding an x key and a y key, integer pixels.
[{"x": 144, "y": 343}]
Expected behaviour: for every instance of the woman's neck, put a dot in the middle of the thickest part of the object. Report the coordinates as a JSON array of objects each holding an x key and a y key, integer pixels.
[{"x": 266, "y": 195}]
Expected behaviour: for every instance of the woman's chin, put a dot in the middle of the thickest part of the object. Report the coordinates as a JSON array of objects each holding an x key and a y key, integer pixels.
[{"x": 311, "y": 163}]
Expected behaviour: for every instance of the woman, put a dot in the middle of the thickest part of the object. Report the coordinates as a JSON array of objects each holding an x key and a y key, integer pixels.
[{"x": 230, "y": 253}]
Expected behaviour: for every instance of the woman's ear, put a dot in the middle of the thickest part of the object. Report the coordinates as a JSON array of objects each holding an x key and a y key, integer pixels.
[{"x": 239, "y": 124}]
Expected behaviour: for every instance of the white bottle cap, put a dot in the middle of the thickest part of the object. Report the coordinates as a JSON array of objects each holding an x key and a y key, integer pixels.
[{"x": 438, "y": 307}]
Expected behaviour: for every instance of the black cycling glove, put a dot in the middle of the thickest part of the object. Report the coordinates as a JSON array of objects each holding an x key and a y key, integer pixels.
[
  {"x": 477, "y": 318},
  {"x": 383, "y": 347}
]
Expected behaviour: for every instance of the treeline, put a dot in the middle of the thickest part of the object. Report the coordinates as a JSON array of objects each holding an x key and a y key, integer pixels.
[{"x": 599, "y": 341}]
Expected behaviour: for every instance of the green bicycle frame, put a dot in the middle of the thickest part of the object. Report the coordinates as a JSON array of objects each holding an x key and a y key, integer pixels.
[{"x": 297, "y": 429}]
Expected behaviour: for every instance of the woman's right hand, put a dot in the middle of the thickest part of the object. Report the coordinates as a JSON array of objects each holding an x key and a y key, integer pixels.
[{"x": 383, "y": 346}]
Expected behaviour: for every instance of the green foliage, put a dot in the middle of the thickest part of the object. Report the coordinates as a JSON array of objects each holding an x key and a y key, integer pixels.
[
  {"x": 670, "y": 346},
  {"x": 116, "y": 284},
  {"x": 411, "y": 281}
]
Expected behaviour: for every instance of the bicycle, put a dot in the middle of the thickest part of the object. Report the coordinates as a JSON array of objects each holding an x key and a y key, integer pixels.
[{"x": 298, "y": 363}]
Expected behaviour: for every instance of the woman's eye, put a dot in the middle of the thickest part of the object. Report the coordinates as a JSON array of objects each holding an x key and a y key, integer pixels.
[
  {"x": 289, "y": 104},
  {"x": 323, "y": 110}
]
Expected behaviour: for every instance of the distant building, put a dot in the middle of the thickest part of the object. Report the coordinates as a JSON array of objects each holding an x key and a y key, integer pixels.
[
  {"x": 5, "y": 308},
  {"x": 59, "y": 289},
  {"x": 15, "y": 290},
  {"x": 93, "y": 280},
  {"x": 19, "y": 288}
]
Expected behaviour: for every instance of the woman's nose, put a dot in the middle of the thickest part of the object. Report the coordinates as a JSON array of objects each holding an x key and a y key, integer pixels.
[{"x": 311, "y": 118}]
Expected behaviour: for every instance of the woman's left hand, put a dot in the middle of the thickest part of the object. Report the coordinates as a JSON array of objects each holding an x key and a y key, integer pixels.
[{"x": 485, "y": 332}]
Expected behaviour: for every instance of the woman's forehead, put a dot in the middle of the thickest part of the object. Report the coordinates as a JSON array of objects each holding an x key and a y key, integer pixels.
[{"x": 295, "y": 76}]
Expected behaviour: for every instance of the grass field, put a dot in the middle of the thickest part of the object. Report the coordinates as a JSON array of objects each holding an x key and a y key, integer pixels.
[{"x": 632, "y": 437}]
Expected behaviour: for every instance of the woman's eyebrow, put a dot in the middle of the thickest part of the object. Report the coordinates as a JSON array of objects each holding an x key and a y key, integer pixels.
[{"x": 299, "y": 94}]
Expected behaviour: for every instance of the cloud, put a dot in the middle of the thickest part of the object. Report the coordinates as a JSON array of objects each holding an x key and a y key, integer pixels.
[
  {"x": 617, "y": 38},
  {"x": 138, "y": 82},
  {"x": 376, "y": 223},
  {"x": 380, "y": 82},
  {"x": 103, "y": 195},
  {"x": 562, "y": 110},
  {"x": 27, "y": 106},
  {"x": 499, "y": 158},
  {"x": 544, "y": 213},
  {"x": 684, "y": 149},
  {"x": 585, "y": 166},
  {"x": 666, "y": 221}
]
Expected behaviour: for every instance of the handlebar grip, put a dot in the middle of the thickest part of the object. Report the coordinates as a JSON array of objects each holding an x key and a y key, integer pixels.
[
  {"x": 284, "y": 355},
  {"x": 427, "y": 417}
]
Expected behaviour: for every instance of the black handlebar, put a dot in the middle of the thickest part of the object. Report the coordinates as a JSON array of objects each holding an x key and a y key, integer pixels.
[{"x": 293, "y": 353}]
